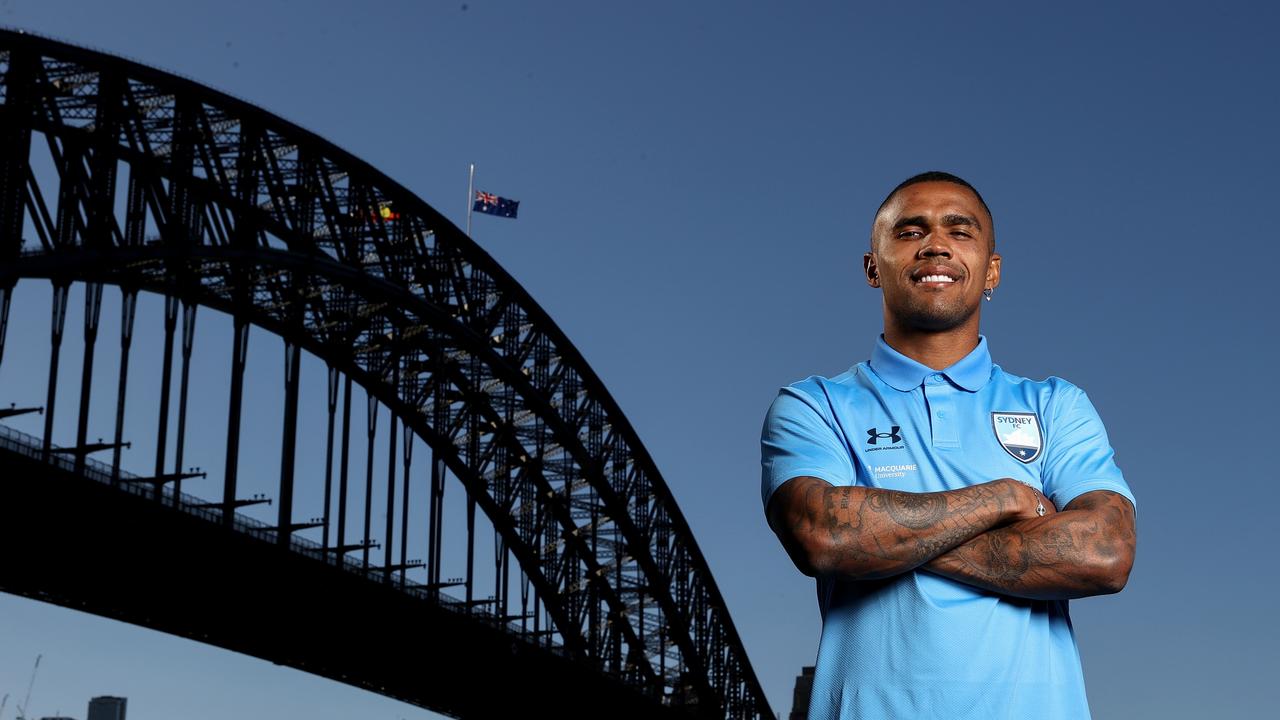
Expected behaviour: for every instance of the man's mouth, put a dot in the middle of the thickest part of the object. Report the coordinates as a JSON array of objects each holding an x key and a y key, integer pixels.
[{"x": 936, "y": 276}]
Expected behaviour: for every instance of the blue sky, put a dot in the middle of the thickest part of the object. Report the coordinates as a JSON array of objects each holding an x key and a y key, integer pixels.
[{"x": 697, "y": 181}]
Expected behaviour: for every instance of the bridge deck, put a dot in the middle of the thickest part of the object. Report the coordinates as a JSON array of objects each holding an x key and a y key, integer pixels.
[{"x": 74, "y": 540}]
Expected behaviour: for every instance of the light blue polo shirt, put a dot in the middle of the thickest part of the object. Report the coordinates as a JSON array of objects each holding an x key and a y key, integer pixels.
[{"x": 918, "y": 645}]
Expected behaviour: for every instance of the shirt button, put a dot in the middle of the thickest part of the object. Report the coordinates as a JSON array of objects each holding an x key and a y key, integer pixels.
[{"x": 941, "y": 414}]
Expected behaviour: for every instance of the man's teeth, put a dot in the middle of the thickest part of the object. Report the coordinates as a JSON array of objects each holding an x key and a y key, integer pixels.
[{"x": 936, "y": 278}]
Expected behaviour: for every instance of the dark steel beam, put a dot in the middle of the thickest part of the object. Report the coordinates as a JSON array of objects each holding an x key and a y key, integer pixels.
[
  {"x": 6, "y": 300},
  {"x": 15, "y": 138},
  {"x": 39, "y": 211},
  {"x": 135, "y": 214},
  {"x": 346, "y": 461},
  {"x": 471, "y": 547},
  {"x": 166, "y": 382},
  {"x": 404, "y": 503},
  {"x": 69, "y": 159},
  {"x": 387, "y": 539},
  {"x": 371, "y": 427},
  {"x": 183, "y": 227},
  {"x": 92, "y": 314},
  {"x": 239, "y": 353},
  {"x": 328, "y": 452},
  {"x": 100, "y": 224},
  {"x": 128, "y": 305},
  {"x": 184, "y": 381},
  {"x": 59, "y": 313},
  {"x": 289, "y": 441},
  {"x": 436, "y": 515}
]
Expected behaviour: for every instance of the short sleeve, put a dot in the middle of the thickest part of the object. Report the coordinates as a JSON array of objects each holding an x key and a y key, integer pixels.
[
  {"x": 1078, "y": 456},
  {"x": 799, "y": 440}
]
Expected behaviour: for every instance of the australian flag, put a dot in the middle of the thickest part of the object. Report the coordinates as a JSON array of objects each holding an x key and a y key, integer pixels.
[{"x": 491, "y": 204}]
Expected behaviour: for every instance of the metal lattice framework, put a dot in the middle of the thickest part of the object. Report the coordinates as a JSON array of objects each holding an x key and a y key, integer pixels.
[{"x": 224, "y": 205}]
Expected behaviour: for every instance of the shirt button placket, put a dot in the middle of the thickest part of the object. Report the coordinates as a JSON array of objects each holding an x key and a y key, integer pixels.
[{"x": 940, "y": 396}]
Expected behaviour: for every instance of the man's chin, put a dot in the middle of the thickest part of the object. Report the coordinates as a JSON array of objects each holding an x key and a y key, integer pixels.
[{"x": 935, "y": 320}]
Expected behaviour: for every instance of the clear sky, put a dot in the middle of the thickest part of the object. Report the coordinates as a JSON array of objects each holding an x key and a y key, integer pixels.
[{"x": 697, "y": 180}]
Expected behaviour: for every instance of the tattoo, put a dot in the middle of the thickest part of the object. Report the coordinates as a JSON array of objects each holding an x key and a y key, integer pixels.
[
  {"x": 869, "y": 532},
  {"x": 1002, "y": 563},
  {"x": 916, "y": 510},
  {"x": 1085, "y": 550},
  {"x": 928, "y": 548},
  {"x": 1057, "y": 544}
]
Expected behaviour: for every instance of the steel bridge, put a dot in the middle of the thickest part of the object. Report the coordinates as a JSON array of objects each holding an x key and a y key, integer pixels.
[{"x": 591, "y": 596}]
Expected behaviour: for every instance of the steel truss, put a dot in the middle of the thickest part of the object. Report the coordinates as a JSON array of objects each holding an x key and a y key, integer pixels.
[{"x": 227, "y": 206}]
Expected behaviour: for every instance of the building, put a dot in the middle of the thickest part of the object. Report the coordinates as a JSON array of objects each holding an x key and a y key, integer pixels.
[
  {"x": 107, "y": 708},
  {"x": 799, "y": 700}
]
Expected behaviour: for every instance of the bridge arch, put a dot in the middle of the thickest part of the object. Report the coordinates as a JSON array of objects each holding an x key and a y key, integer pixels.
[{"x": 227, "y": 206}]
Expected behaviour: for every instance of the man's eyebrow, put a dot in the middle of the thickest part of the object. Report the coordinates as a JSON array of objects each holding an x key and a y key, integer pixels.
[
  {"x": 947, "y": 221},
  {"x": 908, "y": 221},
  {"x": 950, "y": 220}
]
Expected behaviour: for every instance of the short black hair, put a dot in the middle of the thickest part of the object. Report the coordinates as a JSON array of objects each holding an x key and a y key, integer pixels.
[{"x": 940, "y": 176}]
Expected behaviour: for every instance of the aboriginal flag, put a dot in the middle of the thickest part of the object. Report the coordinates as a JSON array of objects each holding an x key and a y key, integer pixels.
[{"x": 491, "y": 204}]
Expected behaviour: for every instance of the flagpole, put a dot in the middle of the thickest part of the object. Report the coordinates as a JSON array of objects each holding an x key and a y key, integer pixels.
[{"x": 471, "y": 191}]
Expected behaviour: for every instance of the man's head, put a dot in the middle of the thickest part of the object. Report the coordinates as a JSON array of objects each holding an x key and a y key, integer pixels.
[{"x": 932, "y": 253}]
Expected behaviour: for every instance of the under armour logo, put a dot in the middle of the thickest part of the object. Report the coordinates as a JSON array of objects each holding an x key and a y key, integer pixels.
[{"x": 874, "y": 434}]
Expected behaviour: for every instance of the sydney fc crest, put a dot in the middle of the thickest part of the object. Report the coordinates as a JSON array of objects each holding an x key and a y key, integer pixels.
[{"x": 1019, "y": 434}]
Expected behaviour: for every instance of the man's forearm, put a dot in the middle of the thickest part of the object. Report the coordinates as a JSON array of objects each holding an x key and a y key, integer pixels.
[
  {"x": 1087, "y": 549},
  {"x": 866, "y": 533}
]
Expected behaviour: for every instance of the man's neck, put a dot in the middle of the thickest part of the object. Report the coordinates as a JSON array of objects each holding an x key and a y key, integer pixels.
[{"x": 937, "y": 350}]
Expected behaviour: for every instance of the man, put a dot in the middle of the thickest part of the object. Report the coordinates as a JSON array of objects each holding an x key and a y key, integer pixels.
[{"x": 922, "y": 489}]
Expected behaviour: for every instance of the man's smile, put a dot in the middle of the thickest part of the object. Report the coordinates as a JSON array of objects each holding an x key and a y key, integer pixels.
[{"x": 936, "y": 276}]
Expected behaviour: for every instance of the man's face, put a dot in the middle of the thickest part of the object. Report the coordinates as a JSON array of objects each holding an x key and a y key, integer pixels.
[{"x": 932, "y": 254}]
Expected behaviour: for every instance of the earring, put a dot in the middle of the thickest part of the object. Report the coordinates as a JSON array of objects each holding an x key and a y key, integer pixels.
[{"x": 987, "y": 293}]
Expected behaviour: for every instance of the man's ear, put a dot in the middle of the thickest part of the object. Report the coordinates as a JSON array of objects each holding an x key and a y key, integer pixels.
[
  {"x": 993, "y": 271},
  {"x": 869, "y": 267}
]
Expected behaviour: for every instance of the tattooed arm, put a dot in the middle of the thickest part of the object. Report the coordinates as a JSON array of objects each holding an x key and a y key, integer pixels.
[
  {"x": 867, "y": 533},
  {"x": 1087, "y": 549}
]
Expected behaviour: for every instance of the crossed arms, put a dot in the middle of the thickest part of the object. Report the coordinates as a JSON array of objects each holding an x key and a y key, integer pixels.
[{"x": 988, "y": 535}]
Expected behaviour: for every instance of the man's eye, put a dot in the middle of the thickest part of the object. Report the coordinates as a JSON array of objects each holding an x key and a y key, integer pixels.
[
  {"x": 961, "y": 233},
  {"x": 909, "y": 233}
]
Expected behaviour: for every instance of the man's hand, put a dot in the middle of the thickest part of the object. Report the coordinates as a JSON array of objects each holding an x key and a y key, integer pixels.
[
  {"x": 1087, "y": 549},
  {"x": 866, "y": 533}
]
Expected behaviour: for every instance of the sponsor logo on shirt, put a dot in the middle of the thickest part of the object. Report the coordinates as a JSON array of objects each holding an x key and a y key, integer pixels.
[
  {"x": 1019, "y": 434},
  {"x": 883, "y": 472}
]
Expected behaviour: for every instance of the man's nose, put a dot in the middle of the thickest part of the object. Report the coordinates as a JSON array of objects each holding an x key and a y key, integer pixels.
[{"x": 934, "y": 247}]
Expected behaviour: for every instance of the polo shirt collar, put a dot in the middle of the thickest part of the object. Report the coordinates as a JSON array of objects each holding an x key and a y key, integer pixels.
[{"x": 902, "y": 373}]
